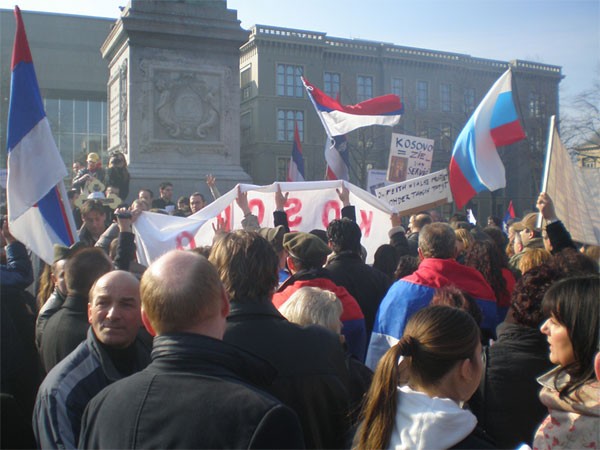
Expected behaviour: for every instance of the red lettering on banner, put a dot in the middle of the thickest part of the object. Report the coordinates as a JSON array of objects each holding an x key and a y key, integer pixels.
[
  {"x": 191, "y": 242},
  {"x": 365, "y": 222},
  {"x": 260, "y": 206},
  {"x": 224, "y": 220},
  {"x": 293, "y": 206},
  {"x": 331, "y": 205}
]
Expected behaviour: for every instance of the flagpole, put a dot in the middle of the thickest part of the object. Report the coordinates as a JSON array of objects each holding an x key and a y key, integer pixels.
[{"x": 547, "y": 163}]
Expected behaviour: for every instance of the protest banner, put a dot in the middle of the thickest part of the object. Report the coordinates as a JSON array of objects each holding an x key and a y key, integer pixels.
[
  {"x": 410, "y": 157},
  {"x": 418, "y": 194},
  {"x": 310, "y": 205}
]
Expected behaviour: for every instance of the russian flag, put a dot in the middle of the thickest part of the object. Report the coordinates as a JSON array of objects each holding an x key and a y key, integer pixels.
[
  {"x": 339, "y": 119},
  {"x": 336, "y": 155},
  {"x": 475, "y": 164},
  {"x": 296, "y": 169},
  {"x": 38, "y": 210}
]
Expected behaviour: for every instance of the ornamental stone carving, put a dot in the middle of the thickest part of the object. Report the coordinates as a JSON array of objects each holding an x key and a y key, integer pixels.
[{"x": 187, "y": 105}]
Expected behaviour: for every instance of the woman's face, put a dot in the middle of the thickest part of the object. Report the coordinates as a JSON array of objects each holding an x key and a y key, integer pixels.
[{"x": 561, "y": 349}]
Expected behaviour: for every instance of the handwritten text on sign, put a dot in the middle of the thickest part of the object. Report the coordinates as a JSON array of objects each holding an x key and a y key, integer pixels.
[
  {"x": 418, "y": 192},
  {"x": 418, "y": 151}
]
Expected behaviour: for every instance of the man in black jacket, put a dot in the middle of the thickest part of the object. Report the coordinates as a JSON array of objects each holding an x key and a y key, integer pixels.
[
  {"x": 311, "y": 373},
  {"x": 195, "y": 393},
  {"x": 347, "y": 268}
]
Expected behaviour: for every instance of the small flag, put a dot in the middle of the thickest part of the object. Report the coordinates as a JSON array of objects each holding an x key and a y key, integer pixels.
[
  {"x": 475, "y": 164},
  {"x": 38, "y": 209},
  {"x": 471, "y": 217},
  {"x": 339, "y": 119},
  {"x": 296, "y": 168},
  {"x": 338, "y": 161},
  {"x": 510, "y": 214}
]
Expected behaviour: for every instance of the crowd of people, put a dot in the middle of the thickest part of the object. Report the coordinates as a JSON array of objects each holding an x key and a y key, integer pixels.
[{"x": 457, "y": 336}]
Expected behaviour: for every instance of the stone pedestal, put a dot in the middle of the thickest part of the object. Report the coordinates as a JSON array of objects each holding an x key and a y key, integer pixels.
[{"x": 173, "y": 93}]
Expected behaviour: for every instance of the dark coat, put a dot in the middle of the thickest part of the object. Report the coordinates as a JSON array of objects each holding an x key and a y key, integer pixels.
[
  {"x": 365, "y": 283},
  {"x": 559, "y": 237},
  {"x": 64, "y": 331},
  {"x": 413, "y": 244},
  {"x": 312, "y": 377},
  {"x": 508, "y": 407},
  {"x": 194, "y": 394}
]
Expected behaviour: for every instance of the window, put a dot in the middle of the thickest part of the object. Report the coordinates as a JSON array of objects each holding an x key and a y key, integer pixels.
[
  {"x": 537, "y": 105},
  {"x": 283, "y": 166},
  {"x": 364, "y": 88},
  {"x": 446, "y": 136},
  {"x": 289, "y": 83},
  {"x": 422, "y": 129},
  {"x": 469, "y": 100},
  {"x": 445, "y": 97},
  {"x": 246, "y": 83},
  {"x": 422, "y": 95},
  {"x": 285, "y": 124},
  {"x": 398, "y": 87},
  {"x": 331, "y": 83}
]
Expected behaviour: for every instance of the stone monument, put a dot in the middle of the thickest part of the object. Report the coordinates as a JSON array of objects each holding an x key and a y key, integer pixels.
[{"x": 174, "y": 95}]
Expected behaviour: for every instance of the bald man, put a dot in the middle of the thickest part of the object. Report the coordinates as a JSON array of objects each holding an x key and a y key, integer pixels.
[
  {"x": 196, "y": 393},
  {"x": 111, "y": 351}
]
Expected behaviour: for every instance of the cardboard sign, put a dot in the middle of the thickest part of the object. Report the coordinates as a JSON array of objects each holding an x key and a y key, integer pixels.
[
  {"x": 418, "y": 194},
  {"x": 410, "y": 157}
]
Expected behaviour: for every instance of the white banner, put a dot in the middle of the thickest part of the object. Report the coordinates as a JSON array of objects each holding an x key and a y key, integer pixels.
[
  {"x": 310, "y": 205},
  {"x": 410, "y": 157},
  {"x": 418, "y": 194}
]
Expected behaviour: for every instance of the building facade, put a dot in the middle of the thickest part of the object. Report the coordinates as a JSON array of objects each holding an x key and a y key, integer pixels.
[{"x": 440, "y": 90}]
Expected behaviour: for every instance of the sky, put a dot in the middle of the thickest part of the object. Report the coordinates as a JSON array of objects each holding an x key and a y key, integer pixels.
[{"x": 558, "y": 32}]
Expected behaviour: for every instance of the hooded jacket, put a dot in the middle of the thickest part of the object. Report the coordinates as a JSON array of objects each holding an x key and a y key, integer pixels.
[
  {"x": 423, "y": 423},
  {"x": 352, "y": 318},
  {"x": 573, "y": 421},
  {"x": 414, "y": 292}
]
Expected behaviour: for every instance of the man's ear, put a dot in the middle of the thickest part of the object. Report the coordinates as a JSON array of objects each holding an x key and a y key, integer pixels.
[
  {"x": 147, "y": 323},
  {"x": 89, "y": 313},
  {"x": 290, "y": 264},
  {"x": 421, "y": 257}
]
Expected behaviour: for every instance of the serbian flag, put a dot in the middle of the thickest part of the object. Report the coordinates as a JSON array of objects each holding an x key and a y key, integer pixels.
[
  {"x": 296, "y": 169},
  {"x": 510, "y": 214},
  {"x": 475, "y": 164},
  {"x": 339, "y": 119},
  {"x": 336, "y": 155},
  {"x": 38, "y": 209}
]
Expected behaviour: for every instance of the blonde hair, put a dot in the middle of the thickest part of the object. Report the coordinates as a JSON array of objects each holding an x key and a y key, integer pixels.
[
  {"x": 465, "y": 237},
  {"x": 313, "y": 306},
  {"x": 533, "y": 257}
]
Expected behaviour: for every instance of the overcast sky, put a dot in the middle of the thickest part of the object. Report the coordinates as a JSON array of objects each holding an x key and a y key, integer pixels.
[{"x": 559, "y": 32}]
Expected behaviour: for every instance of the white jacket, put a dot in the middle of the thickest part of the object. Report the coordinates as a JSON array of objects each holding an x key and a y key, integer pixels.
[{"x": 423, "y": 422}]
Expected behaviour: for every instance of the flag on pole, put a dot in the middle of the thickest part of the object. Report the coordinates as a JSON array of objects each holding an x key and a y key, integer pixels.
[
  {"x": 296, "y": 168},
  {"x": 475, "y": 165},
  {"x": 338, "y": 161},
  {"x": 510, "y": 214},
  {"x": 38, "y": 209},
  {"x": 340, "y": 119},
  {"x": 574, "y": 190}
]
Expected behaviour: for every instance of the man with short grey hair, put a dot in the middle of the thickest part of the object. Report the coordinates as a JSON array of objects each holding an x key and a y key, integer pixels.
[{"x": 438, "y": 268}]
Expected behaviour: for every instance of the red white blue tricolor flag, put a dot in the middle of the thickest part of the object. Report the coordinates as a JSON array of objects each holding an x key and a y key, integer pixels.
[
  {"x": 38, "y": 210},
  {"x": 296, "y": 168},
  {"x": 339, "y": 119},
  {"x": 475, "y": 164},
  {"x": 509, "y": 214},
  {"x": 336, "y": 155}
]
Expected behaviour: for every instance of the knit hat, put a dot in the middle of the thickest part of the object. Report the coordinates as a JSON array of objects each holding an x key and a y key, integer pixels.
[{"x": 274, "y": 236}]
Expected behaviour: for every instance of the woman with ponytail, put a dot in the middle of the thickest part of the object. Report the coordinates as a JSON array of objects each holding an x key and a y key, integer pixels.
[{"x": 420, "y": 384}]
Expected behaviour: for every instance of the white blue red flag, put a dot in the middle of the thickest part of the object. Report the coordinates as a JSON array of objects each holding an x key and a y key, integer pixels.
[
  {"x": 338, "y": 161},
  {"x": 38, "y": 210},
  {"x": 510, "y": 214},
  {"x": 475, "y": 165},
  {"x": 296, "y": 168},
  {"x": 340, "y": 119}
]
